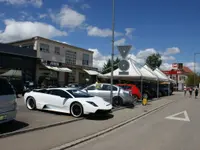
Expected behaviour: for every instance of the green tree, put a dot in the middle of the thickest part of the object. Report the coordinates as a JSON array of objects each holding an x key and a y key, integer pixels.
[
  {"x": 154, "y": 61},
  {"x": 107, "y": 65},
  {"x": 190, "y": 79}
]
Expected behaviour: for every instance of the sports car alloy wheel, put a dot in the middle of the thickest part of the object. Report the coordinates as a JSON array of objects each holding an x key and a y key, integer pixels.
[
  {"x": 76, "y": 110},
  {"x": 30, "y": 103}
]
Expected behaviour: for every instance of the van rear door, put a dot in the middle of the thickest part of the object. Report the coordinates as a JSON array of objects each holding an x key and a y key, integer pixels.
[{"x": 7, "y": 96}]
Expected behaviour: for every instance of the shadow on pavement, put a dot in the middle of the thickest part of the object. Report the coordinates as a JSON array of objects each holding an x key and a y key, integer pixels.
[
  {"x": 12, "y": 126},
  {"x": 99, "y": 117}
]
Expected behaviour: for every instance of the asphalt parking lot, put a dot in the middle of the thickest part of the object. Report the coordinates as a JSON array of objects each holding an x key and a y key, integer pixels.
[
  {"x": 32, "y": 119},
  {"x": 28, "y": 119}
]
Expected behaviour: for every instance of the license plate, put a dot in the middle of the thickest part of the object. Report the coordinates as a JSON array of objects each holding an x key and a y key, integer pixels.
[{"x": 2, "y": 117}]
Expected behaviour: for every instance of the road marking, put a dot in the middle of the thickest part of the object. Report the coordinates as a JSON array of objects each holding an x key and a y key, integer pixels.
[{"x": 173, "y": 117}]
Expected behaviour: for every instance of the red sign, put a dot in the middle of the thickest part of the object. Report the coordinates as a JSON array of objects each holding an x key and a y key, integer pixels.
[
  {"x": 172, "y": 72},
  {"x": 175, "y": 66}
]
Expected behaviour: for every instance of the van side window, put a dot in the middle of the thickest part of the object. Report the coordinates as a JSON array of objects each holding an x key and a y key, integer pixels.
[{"x": 5, "y": 87}]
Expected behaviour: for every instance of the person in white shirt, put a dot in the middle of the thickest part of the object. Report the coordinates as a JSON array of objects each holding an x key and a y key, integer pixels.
[{"x": 185, "y": 90}]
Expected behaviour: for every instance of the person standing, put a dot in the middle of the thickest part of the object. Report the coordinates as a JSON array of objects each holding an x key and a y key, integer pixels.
[
  {"x": 185, "y": 90},
  {"x": 196, "y": 92},
  {"x": 190, "y": 91}
]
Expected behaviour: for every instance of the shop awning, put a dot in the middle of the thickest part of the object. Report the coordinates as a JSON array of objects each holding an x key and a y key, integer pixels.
[
  {"x": 59, "y": 69},
  {"x": 91, "y": 72},
  {"x": 12, "y": 73}
]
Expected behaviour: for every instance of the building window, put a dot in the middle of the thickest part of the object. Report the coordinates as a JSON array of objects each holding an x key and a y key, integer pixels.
[
  {"x": 57, "y": 50},
  {"x": 70, "y": 57},
  {"x": 27, "y": 46},
  {"x": 44, "y": 48},
  {"x": 85, "y": 60}
]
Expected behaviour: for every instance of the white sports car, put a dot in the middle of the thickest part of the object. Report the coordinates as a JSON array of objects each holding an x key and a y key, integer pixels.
[{"x": 66, "y": 100}]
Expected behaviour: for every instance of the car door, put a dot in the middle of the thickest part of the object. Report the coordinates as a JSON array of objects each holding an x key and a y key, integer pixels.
[
  {"x": 104, "y": 92},
  {"x": 92, "y": 90},
  {"x": 58, "y": 97}
]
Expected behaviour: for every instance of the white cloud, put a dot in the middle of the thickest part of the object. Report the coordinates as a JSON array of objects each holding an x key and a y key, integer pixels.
[
  {"x": 172, "y": 51},
  {"x": 85, "y": 6},
  {"x": 129, "y": 32},
  {"x": 95, "y": 31},
  {"x": 68, "y": 17},
  {"x": 143, "y": 54},
  {"x": 36, "y": 3},
  {"x": 17, "y": 30},
  {"x": 121, "y": 41},
  {"x": 167, "y": 58},
  {"x": 63, "y": 42},
  {"x": 41, "y": 16},
  {"x": 191, "y": 66},
  {"x": 166, "y": 66},
  {"x": 98, "y": 58}
]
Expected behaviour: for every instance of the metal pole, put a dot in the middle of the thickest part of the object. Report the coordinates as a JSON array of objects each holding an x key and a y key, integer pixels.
[
  {"x": 194, "y": 69},
  {"x": 158, "y": 89},
  {"x": 112, "y": 54},
  {"x": 141, "y": 87}
]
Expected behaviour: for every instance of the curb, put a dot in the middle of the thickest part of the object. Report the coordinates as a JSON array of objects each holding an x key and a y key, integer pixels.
[
  {"x": 105, "y": 131},
  {"x": 47, "y": 126}
]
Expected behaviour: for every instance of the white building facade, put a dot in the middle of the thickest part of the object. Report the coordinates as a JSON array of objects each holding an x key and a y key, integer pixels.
[{"x": 60, "y": 62}]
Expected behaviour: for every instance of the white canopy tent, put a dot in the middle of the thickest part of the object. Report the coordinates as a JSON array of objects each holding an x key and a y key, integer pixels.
[
  {"x": 171, "y": 80},
  {"x": 133, "y": 72},
  {"x": 145, "y": 72},
  {"x": 12, "y": 73},
  {"x": 161, "y": 76}
]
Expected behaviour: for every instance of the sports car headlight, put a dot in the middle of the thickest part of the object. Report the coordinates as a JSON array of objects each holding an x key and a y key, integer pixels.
[{"x": 92, "y": 103}]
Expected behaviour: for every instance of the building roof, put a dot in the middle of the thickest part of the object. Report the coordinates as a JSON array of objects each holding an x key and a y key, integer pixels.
[
  {"x": 15, "y": 50},
  {"x": 38, "y": 37},
  {"x": 187, "y": 69}
]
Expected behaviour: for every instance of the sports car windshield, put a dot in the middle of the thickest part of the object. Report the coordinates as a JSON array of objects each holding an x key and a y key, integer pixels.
[{"x": 78, "y": 93}]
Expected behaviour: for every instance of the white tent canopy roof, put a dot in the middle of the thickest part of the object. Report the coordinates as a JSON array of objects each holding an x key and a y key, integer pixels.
[
  {"x": 147, "y": 74},
  {"x": 134, "y": 72},
  {"x": 161, "y": 76},
  {"x": 12, "y": 73}
]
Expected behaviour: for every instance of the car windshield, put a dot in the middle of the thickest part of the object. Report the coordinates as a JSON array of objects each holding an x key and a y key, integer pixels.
[{"x": 78, "y": 93}]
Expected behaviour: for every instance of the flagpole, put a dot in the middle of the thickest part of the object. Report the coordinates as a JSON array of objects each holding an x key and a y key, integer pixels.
[{"x": 112, "y": 54}]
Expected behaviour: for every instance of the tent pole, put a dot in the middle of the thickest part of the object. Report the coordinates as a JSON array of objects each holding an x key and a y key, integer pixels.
[
  {"x": 158, "y": 89},
  {"x": 168, "y": 88},
  {"x": 141, "y": 87}
]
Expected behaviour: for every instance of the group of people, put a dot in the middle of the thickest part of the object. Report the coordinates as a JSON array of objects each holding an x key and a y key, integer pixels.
[{"x": 191, "y": 89}]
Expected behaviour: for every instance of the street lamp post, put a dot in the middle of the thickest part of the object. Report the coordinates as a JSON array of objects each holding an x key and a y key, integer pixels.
[
  {"x": 195, "y": 68},
  {"x": 112, "y": 54}
]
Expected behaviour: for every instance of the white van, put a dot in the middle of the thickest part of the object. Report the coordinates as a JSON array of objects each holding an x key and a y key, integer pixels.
[{"x": 8, "y": 105}]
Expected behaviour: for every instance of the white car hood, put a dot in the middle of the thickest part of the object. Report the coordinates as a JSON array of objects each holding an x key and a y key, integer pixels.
[{"x": 97, "y": 100}]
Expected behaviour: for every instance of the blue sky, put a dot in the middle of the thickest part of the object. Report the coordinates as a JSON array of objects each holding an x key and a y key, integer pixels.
[{"x": 169, "y": 27}]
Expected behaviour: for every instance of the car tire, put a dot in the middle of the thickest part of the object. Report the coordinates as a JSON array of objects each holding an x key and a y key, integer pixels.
[
  {"x": 117, "y": 101},
  {"x": 76, "y": 110},
  {"x": 30, "y": 103}
]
